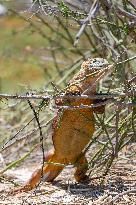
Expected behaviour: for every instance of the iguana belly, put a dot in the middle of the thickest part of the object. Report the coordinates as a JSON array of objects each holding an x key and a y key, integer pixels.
[{"x": 72, "y": 133}]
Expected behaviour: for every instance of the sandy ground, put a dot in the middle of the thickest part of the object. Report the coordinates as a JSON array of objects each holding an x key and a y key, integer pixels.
[{"x": 119, "y": 186}]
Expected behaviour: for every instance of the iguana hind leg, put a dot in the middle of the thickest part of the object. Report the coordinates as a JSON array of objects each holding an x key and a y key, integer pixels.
[
  {"x": 50, "y": 171},
  {"x": 81, "y": 169}
]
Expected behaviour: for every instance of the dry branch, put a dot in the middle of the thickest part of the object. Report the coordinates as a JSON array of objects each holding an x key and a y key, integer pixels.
[
  {"x": 120, "y": 195},
  {"x": 91, "y": 14},
  {"x": 50, "y": 97}
]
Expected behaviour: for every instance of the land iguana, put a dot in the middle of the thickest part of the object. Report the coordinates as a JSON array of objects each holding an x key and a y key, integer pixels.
[{"x": 73, "y": 128}]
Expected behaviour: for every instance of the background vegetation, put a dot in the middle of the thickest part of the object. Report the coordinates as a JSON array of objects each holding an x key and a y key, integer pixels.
[{"x": 41, "y": 50}]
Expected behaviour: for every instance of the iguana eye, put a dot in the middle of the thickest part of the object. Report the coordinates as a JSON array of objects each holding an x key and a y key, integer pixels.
[{"x": 98, "y": 63}]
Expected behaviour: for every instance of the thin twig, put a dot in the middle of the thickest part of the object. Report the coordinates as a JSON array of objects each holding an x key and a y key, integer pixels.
[
  {"x": 121, "y": 194},
  {"x": 117, "y": 132},
  {"x": 132, "y": 80},
  {"x": 13, "y": 137},
  {"x": 49, "y": 97},
  {"x": 72, "y": 107},
  {"x": 119, "y": 10},
  {"x": 41, "y": 135},
  {"x": 125, "y": 13},
  {"x": 91, "y": 14},
  {"x": 14, "y": 163},
  {"x": 25, "y": 136}
]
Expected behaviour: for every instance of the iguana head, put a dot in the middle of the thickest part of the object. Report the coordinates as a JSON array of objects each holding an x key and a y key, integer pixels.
[
  {"x": 92, "y": 71},
  {"x": 92, "y": 64}
]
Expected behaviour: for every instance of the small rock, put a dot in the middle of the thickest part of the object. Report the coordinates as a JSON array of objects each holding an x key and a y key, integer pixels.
[{"x": 3, "y": 10}]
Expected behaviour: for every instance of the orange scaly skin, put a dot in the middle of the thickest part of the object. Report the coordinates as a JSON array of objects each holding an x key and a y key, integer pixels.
[{"x": 73, "y": 128}]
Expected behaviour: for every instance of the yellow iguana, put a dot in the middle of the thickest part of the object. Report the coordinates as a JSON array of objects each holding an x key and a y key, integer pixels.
[{"x": 73, "y": 128}]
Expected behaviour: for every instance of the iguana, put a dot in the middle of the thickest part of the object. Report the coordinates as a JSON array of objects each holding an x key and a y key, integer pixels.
[{"x": 73, "y": 128}]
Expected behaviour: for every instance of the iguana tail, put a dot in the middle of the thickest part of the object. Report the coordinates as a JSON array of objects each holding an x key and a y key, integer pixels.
[{"x": 52, "y": 168}]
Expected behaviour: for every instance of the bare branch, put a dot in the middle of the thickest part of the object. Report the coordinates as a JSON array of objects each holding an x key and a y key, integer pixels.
[
  {"x": 49, "y": 97},
  {"x": 91, "y": 14},
  {"x": 41, "y": 137},
  {"x": 121, "y": 194}
]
